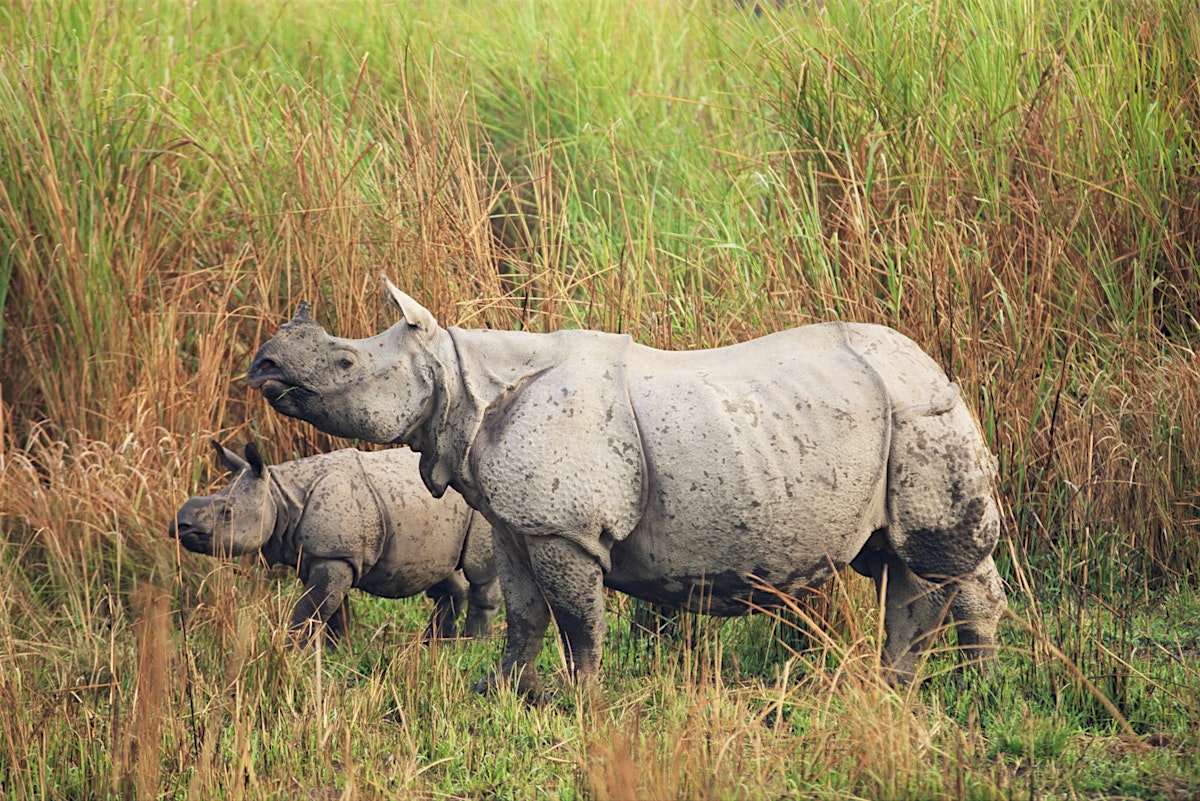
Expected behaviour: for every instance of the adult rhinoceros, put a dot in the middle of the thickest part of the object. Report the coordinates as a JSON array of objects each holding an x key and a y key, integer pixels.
[{"x": 688, "y": 479}]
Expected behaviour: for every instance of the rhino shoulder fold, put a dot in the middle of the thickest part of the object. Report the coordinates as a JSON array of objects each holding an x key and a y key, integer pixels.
[
  {"x": 560, "y": 452},
  {"x": 480, "y": 373}
]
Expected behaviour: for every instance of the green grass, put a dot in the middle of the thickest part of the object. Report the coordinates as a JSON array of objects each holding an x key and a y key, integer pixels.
[{"x": 1013, "y": 184}]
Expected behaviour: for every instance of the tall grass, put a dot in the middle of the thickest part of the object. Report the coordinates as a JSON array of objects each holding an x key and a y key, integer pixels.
[{"x": 1013, "y": 184}]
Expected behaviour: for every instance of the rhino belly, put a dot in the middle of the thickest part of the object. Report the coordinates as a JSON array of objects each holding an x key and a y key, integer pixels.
[
  {"x": 775, "y": 477},
  {"x": 402, "y": 581},
  {"x": 717, "y": 561},
  {"x": 718, "y": 586}
]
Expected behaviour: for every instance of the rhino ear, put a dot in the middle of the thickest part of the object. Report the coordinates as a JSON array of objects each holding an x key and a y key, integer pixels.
[
  {"x": 231, "y": 460},
  {"x": 255, "y": 459},
  {"x": 413, "y": 313}
]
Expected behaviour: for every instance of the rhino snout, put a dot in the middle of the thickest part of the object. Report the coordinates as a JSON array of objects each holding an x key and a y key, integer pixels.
[
  {"x": 276, "y": 385},
  {"x": 191, "y": 537},
  {"x": 260, "y": 372},
  {"x": 264, "y": 370}
]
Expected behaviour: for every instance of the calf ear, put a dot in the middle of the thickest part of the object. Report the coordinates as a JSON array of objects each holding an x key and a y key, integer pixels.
[
  {"x": 413, "y": 313},
  {"x": 255, "y": 459},
  {"x": 231, "y": 460}
]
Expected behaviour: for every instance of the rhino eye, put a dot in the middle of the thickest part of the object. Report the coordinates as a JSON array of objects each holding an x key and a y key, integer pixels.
[
  {"x": 345, "y": 363},
  {"x": 225, "y": 514}
]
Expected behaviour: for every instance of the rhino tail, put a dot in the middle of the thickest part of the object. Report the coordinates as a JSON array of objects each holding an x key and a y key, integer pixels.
[
  {"x": 945, "y": 401},
  {"x": 941, "y": 403}
]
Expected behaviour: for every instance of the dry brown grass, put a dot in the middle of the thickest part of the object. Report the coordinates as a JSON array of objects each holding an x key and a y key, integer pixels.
[{"x": 139, "y": 767}]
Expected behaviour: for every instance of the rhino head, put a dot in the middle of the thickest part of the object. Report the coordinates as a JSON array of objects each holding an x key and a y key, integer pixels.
[
  {"x": 379, "y": 389},
  {"x": 236, "y": 521}
]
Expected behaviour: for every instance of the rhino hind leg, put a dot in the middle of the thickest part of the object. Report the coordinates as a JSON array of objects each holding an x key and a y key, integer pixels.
[
  {"x": 483, "y": 602},
  {"x": 449, "y": 597},
  {"x": 479, "y": 566},
  {"x": 913, "y": 610},
  {"x": 943, "y": 524},
  {"x": 943, "y": 520},
  {"x": 977, "y": 603}
]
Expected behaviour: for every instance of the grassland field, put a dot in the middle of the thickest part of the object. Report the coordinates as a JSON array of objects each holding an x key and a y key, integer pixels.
[{"x": 1015, "y": 184}]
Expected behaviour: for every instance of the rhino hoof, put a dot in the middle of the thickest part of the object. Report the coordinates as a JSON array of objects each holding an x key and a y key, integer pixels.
[{"x": 526, "y": 687}]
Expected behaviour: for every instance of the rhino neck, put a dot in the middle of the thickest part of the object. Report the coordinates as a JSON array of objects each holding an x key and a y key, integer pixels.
[{"x": 480, "y": 370}]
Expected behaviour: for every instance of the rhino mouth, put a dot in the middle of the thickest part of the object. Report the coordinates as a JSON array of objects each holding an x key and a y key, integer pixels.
[
  {"x": 272, "y": 381},
  {"x": 191, "y": 538},
  {"x": 275, "y": 390}
]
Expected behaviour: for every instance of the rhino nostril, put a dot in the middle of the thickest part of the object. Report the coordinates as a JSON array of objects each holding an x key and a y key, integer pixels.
[{"x": 267, "y": 364}]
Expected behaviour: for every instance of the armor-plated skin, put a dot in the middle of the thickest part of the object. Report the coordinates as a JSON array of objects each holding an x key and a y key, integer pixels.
[
  {"x": 688, "y": 479},
  {"x": 350, "y": 519}
]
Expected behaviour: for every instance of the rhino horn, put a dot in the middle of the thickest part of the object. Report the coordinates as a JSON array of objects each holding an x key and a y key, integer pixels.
[{"x": 303, "y": 316}]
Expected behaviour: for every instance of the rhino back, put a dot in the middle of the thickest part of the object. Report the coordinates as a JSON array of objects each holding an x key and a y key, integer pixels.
[
  {"x": 912, "y": 378},
  {"x": 765, "y": 458}
]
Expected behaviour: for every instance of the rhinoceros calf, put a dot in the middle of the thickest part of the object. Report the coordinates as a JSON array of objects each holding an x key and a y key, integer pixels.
[
  {"x": 688, "y": 479},
  {"x": 350, "y": 519}
]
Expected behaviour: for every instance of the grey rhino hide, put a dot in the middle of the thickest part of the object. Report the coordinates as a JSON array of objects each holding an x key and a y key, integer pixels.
[
  {"x": 350, "y": 519},
  {"x": 704, "y": 480}
]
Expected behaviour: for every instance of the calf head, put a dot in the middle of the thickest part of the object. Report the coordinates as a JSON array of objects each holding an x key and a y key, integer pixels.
[
  {"x": 378, "y": 389},
  {"x": 237, "y": 520}
]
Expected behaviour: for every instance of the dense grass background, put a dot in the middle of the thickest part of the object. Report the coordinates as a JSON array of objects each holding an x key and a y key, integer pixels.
[{"x": 1016, "y": 185}]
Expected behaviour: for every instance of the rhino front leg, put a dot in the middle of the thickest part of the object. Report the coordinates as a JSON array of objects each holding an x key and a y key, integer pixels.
[
  {"x": 337, "y": 627},
  {"x": 449, "y": 596},
  {"x": 322, "y": 604},
  {"x": 573, "y": 584},
  {"x": 977, "y": 605},
  {"x": 527, "y": 614},
  {"x": 913, "y": 610}
]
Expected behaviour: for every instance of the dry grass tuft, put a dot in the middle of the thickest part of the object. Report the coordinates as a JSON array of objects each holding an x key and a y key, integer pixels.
[{"x": 140, "y": 744}]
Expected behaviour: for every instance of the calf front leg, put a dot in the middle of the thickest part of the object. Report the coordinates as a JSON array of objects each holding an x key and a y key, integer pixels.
[{"x": 322, "y": 605}]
